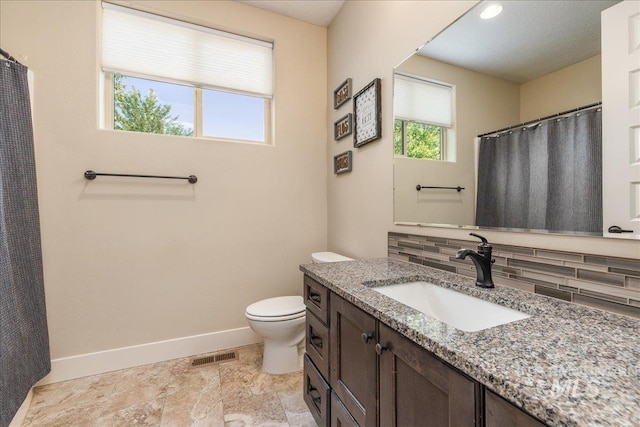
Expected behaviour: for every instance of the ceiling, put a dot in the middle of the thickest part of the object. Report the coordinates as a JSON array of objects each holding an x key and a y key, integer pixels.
[
  {"x": 527, "y": 40},
  {"x": 317, "y": 12}
]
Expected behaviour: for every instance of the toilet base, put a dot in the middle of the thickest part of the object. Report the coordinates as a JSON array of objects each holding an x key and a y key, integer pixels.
[{"x": 279, "y": 358}]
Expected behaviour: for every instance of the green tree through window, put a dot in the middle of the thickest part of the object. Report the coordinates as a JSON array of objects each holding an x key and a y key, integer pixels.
[
  {"x": 143, "y": 113},
  {"x": 417, "y": 140}
]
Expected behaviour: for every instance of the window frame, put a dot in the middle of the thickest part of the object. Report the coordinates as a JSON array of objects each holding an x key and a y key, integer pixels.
[{"x": 198, "y": 117}]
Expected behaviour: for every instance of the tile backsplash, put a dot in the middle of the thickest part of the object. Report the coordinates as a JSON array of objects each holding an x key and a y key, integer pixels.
[{"x": 604, "y": 282}]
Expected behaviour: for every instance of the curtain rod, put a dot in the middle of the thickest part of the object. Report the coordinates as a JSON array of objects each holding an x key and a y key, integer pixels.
[
  {"x": 542, "y": 119},
  {"x": 8, "y": 56}
]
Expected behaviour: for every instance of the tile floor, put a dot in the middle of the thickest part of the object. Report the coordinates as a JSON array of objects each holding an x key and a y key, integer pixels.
[{"x": 173, "y": 393}]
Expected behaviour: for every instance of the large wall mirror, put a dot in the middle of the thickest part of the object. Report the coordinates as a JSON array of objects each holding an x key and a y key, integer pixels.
[{"x": 498, "y": 122}]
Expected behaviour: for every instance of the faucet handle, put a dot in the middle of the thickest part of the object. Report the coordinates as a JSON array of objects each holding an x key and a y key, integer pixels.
[
  {"x": 484, "y": 241},
  {"x": 485, "y": 247}
]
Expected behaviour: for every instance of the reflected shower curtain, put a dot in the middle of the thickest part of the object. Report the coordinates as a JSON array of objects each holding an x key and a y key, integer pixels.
[
  {"x": 544, "y": 178},
  {"x": 24, "y": 341}
]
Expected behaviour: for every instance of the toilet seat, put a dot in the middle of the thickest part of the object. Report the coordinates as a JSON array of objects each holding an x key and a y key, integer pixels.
[
  {"x": 276, "y": 309},
  {"x": 275, "y": 318}
]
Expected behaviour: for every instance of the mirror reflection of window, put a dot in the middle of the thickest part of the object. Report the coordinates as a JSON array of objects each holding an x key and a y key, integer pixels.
[
  {"x": 424, "y": 118},
  {"x": 418, "y": 140}
]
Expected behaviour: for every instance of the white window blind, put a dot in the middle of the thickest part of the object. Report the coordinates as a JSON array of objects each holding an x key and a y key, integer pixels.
[
  {"x": 146, "y": 45},
  {"x": 422, "y": 101}
]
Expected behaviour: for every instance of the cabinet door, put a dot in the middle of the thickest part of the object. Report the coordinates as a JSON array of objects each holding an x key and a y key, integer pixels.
[
  {"x": 500, "y": 413},
  {"x": 340, "y": 417},
  {"x": 418, "y": 389},
  {"x": 353, "y": 360},
  {"x": 621, "y": 117}
]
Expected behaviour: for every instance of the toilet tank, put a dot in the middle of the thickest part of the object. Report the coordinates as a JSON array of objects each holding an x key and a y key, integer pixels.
[{"x": 320, "y": 257}]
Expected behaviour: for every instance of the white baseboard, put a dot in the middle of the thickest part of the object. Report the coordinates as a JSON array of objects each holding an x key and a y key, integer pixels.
[
  {"x": 82, "y": 365},
  {"x": 18, "y": 418}
]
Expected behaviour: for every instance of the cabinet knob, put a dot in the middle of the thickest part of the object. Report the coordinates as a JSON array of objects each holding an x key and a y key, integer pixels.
[
  {"x": 380, "y": 348},
  {"x": 366, "y": 337}
]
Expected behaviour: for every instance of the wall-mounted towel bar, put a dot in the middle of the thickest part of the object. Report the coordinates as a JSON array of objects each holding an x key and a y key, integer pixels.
[
  {"x": 458, "y": 188},
  {"x": 93, "y": 174}
]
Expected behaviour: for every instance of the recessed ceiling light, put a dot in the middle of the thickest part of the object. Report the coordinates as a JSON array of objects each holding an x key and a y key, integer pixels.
[{"x": 491, "y": 11}]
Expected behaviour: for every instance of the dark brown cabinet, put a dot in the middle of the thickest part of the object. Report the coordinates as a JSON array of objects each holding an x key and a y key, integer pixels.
[
  {"x": 360, "y": 372},
  {"x": 418, "y": 389},
  {"x": 316, "y": 390},
  {"x": 353, "y": 360}
]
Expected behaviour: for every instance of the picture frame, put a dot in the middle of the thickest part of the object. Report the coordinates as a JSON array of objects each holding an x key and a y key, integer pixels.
[
  {"x": 343, "y": 162},
  {"x": 342, "y": 94},
  {"x": 367, "y": 114},
  {"x": 343, "y": 127}
]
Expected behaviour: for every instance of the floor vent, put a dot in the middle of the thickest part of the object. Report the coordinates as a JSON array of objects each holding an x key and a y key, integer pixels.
[{"x": 227, "y": 356}]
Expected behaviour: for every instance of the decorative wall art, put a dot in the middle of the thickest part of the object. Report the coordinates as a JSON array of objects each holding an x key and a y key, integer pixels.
[
  {"x": 342, "y": 94},
  {"x": 367, "y": 114},
  {"x": 342, "y": 162},
  {"x": 343, "y": 127}
]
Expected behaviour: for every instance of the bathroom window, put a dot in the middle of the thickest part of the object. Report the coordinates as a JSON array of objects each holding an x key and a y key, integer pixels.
[
  {"x": 424, "y": 118},
  {"x": 418, "y": 140},
  {"x": 166, "y": 76}
]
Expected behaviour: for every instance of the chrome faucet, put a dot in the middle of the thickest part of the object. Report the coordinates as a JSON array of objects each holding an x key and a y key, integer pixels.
[{"x": 482, "y": 260}]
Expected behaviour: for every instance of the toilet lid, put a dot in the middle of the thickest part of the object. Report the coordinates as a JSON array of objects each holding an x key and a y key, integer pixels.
[{"x": 277, "y": 307}]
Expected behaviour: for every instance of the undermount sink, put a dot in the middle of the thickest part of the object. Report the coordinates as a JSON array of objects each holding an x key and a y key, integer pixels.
[{"x": 456, "y": 309}]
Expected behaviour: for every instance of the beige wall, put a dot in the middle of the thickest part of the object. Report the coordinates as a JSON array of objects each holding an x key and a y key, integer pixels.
[
  {"x": 366, "y": 40},
  {"x": 482, "y": 104},
  {"x": 128, "y": 261},
  {"x": 574, "y": 86}
]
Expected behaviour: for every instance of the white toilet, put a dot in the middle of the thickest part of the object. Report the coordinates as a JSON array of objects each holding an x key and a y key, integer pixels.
[{"x": 280, "y": 321}]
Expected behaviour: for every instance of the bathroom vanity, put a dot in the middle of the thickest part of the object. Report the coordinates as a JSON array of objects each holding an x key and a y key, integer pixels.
[{"x": 372, "y": 361}]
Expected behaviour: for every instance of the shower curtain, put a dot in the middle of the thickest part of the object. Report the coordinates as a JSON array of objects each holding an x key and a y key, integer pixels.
[
  {"x": 24, "y": 341},
  {"x": 547, "y": 177}
]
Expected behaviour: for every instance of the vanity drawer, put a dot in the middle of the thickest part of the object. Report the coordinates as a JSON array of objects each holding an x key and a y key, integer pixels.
[
  {"x": 316, "y": 298},
  {"x": 316, "y": 393},
  {"x": 317, "y": 344}
]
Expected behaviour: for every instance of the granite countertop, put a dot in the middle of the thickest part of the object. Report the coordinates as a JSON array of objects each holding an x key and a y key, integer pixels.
[{"x": 566, "y": 364}]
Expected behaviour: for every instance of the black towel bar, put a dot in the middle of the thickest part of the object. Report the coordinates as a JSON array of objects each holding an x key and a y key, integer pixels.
[
  {"x": 458, "y": 188},
  {"x": 93, "y": 174}
]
